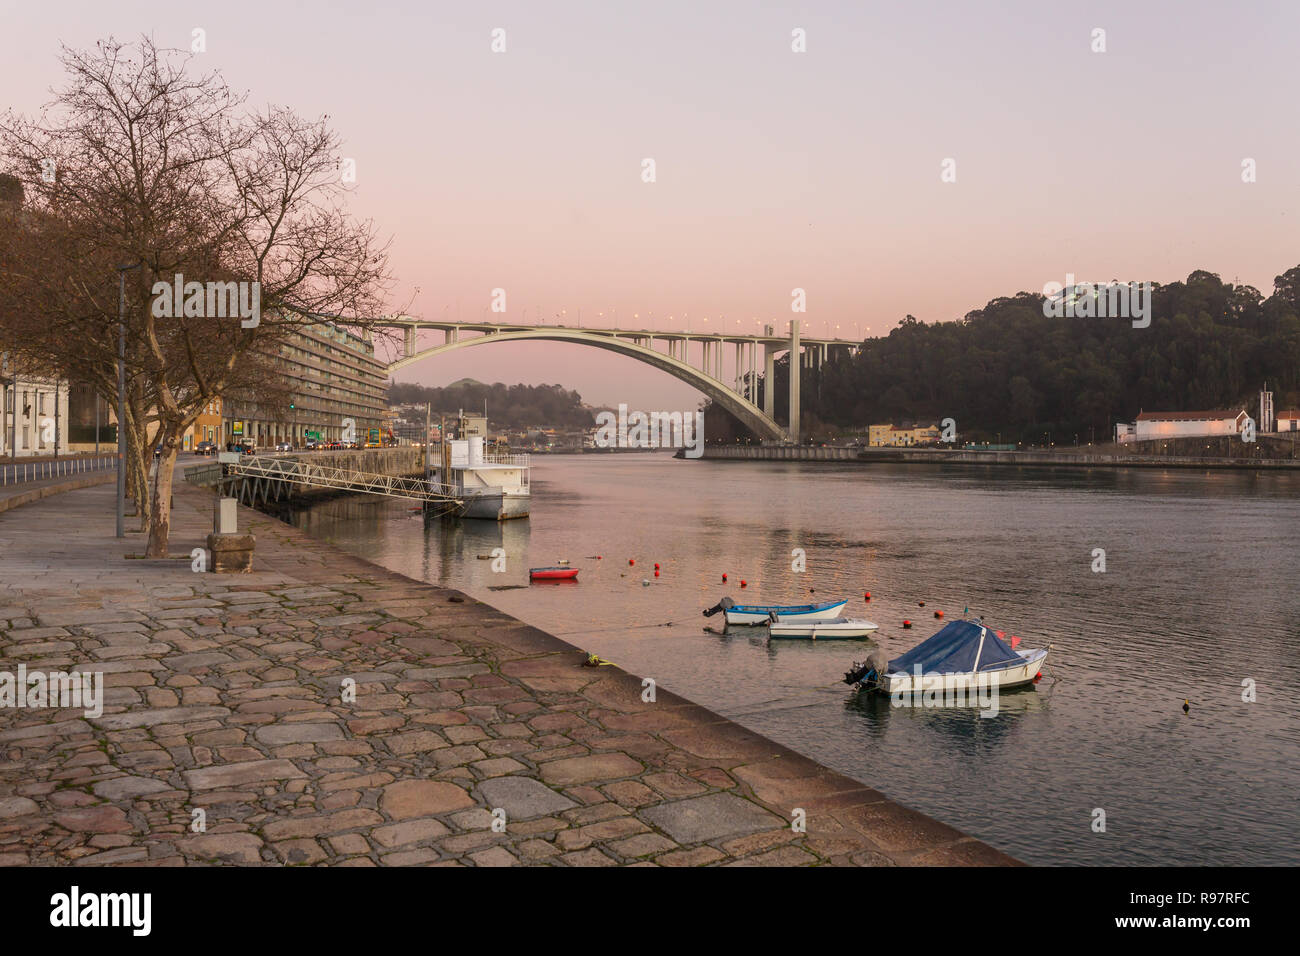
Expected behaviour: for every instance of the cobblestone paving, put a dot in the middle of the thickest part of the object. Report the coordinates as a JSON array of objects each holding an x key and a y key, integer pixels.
[{"x": 225, "y": 693}]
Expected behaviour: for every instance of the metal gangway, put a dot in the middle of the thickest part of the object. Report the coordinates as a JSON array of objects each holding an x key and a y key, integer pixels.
[{"x": 266, "y": 477}]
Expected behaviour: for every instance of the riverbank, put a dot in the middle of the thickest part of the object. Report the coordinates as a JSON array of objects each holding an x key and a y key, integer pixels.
[
  {"x": 971, "y": 456},
  {"x": 226, "y": 694}
]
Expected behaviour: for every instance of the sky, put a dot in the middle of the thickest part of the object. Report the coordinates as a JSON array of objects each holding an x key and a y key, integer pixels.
[{"x": 774, "y": 169}]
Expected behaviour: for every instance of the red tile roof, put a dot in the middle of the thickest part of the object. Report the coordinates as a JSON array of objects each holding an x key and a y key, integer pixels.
[{"x": 1211, "y": 416}]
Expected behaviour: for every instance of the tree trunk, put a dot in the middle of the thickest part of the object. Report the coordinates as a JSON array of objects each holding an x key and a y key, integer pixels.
[
  {"x": 137, "y": 467},
  {"x": 160, "y": 514}
]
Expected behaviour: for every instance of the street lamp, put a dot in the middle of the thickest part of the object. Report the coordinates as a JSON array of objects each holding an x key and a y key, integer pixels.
[{"x": 121, "y": 397}]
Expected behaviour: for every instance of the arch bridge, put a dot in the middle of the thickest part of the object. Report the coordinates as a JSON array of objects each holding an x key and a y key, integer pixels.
[{"x": 703, "y": 368}]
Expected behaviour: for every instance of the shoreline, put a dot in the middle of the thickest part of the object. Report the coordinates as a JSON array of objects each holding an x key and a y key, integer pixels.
[
  {"x": 1012, "y": 459},
  {"x": 223, "y": 693}
]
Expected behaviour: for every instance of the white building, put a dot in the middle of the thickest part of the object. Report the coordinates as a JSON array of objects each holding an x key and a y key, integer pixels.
[
  {"x": 1289, "y": 420},
  {"x": 1151, "y": 425},
  {"x": 39, "y": 426}
]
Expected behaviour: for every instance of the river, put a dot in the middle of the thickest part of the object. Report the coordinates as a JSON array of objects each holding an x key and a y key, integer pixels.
[{"x": 1197, "y": 602}]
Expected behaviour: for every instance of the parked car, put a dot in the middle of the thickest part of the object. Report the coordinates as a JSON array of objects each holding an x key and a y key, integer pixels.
[
  {"x": 284, "y": 446},
  {"x": 205, "y": 448}
]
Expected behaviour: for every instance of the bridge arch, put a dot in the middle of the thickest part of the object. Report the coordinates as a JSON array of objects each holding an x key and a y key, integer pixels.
[{"x": 750, "y": 415}]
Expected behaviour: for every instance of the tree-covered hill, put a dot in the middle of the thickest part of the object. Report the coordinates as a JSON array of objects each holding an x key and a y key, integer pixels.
[
  {"x": 508, "y": 406},
  {"x": 1007, "y": 368}
]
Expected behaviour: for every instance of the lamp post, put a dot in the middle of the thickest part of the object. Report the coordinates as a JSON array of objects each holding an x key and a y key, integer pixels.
[{"x": 121, "y": 397}]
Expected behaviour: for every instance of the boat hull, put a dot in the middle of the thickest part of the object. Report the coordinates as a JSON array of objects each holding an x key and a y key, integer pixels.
[
  {"x": 495, "y": 506},
  {"x": 1015, "y": 675},
  {"x": 822, "y": 630},
  {"x": 553, "y": 574},
  {"x": 762, "y": 613}
]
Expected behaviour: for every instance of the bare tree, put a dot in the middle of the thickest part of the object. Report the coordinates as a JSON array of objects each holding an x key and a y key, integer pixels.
[{"x": 140, "y": 162}]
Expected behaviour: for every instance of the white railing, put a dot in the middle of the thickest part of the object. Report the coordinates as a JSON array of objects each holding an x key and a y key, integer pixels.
[
  {"x": 300, "y": 472},
  {"x": 514, "y": 461},
  {"x": 16, "y": 472}
]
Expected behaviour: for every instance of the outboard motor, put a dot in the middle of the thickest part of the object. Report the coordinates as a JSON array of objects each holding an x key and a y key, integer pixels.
[
  {"x": 722, "y": 605},
  {"x": 858, "y": 672},
  {"x": 877, "y": 664}
]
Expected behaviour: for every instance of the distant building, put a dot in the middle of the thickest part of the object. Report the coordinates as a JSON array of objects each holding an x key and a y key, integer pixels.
[
  {"x": 1289, "y": 420},
  {"x": 35, "y": 412},
  {"x": 1207, "y": 424},
  {"x": 473, "y": 426},
  {"x": 902, "y": 435},
  {"x": 1125, "y": 432},
  {"x": 207, "y": 427}
]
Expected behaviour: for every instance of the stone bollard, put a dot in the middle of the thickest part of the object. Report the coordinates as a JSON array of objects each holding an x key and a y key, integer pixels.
[{"x": 232, "y": 552}]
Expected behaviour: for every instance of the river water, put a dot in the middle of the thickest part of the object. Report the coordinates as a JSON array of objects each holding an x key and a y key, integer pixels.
[{"x": 1198, "y": 596}]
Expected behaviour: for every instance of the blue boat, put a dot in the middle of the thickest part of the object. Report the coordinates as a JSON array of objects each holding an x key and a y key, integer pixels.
[
  {"x": 762, "y": 613},
  {"x": 963, "y": 654}
]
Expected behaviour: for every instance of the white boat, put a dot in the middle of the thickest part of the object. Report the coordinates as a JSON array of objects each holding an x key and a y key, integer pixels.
[
  {"x": 840, "y": 627},
  {"x": 1011, "y": 675},
  {"x": 492, "y": 487},
  {"x": 964, "y": 655},
  {"x": 762, "y": 613}
]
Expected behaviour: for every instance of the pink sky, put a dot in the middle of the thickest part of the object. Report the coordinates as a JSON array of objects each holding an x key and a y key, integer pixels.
[{"x": 775, "y": 169}]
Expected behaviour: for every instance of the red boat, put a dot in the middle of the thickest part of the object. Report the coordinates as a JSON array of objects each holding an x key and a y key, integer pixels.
[{"x": 552, "y": 574}]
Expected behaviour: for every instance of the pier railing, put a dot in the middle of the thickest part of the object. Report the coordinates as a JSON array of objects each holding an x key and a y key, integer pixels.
[{"x": 16, "y": 472}]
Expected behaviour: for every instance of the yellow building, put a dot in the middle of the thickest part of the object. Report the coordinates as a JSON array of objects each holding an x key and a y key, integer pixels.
[
  {"x": 878, "y": 435},
  {"x": 207, "y": 427},
  {"x": 893, "y": 435}
]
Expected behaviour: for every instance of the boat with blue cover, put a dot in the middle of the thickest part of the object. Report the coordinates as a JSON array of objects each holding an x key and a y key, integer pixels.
[
  {"x": 964, "y": 654},
  {"x": 762, "y": 613}
]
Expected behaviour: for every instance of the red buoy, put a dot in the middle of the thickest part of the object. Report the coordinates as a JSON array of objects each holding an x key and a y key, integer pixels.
[
  {"x": 656, "y": 574},
  {"x": 920, "y": 604},
  {"x": 724, "y": 578},
  {"x": 867, "y": 596},
  {"x": 656, "y": 565},
  {"x": 938, "y": 613},
  {"x": 631, "y": 561},
  {"x": 907, "y": 624},
  {"x": 744, "y": 583}
]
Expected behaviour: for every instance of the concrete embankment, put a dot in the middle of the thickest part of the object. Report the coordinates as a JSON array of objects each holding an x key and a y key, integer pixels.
[
  {"x": 235, "y": 695},
  {"x": 962, "y": 456}
]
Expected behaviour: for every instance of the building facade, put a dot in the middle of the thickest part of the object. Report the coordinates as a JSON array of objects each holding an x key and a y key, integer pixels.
[
  {"x": 207, "y": 427},
  {"x": 35, "y": 413},
  {"x": 337, "y": 388},
  {"x": 1206, "y": 424},
  {"x": 895, "y": 435}
]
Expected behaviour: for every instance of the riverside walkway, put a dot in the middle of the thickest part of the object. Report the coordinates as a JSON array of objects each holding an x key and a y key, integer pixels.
[{"x": 227, "y": 694}]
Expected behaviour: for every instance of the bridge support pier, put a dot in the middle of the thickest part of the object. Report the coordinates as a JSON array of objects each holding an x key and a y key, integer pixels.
[
  {"x": 795, "y": 360},
  {"x": 769, "y": 381}
]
